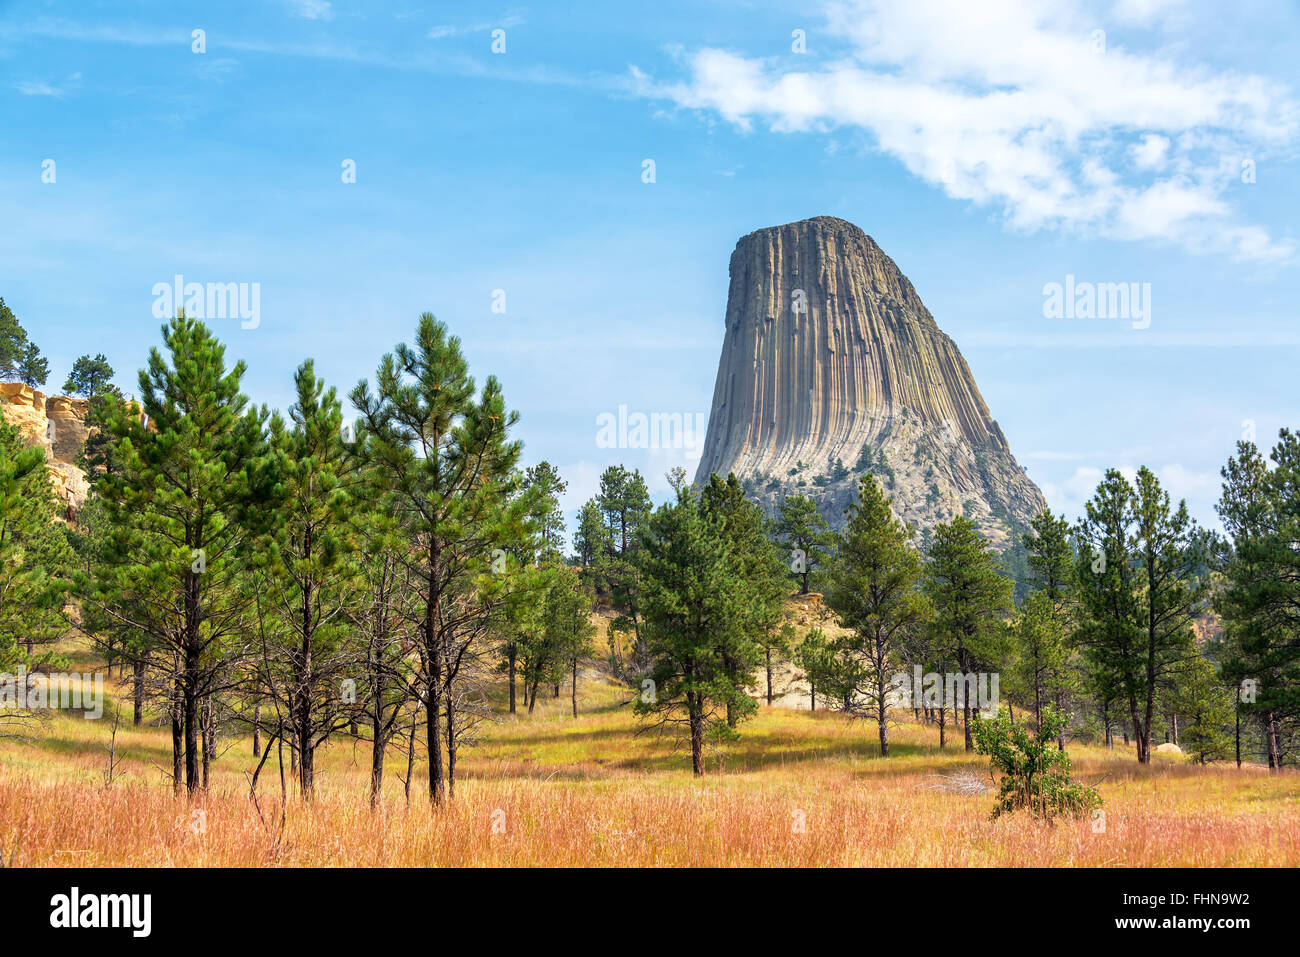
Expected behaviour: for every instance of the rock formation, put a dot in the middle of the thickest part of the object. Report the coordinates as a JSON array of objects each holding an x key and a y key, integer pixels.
[
  {"x": 831, "y": 367},
  {"x": 58, "y": 425}
]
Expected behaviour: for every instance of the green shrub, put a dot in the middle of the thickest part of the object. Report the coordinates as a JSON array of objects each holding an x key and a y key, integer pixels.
[{"x": 1035, "y": 775}]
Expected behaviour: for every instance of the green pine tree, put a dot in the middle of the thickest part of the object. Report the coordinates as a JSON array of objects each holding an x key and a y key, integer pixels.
[
  {"x": 805, "y": 533},
  {"x": 1141, "y": 574},
  {"x": 446, "y": 457},
  {"x": 307, "y": 577},
  {"x": 874, "y": 588},
  {"x": 90, "y": 378},
  {"x": 695, "y": 606},
  {"x": 176, "y": 507},
  {"x": 970, "y": 596},
  {"x": 1260, "y": 508},
  {"x": 764, "y": 573}
]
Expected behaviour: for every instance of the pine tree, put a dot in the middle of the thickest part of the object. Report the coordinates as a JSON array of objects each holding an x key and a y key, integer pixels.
[
  {"x": 1141, "y": 581},
  {"x": 874, "y": 588},
  {"x": 545, "y": 478},
  {"x": 816, "y": 656},
  {"x": 1197, "y": 693},
  {"x": 384, "y": 620},
  {"x": 90, "y": 377},
  {"x": 625, "y": 502},
  {"x": 761, "y": 568},
  {"x": 592, "y": 545},
  {"x": 176, "y": 509},
  {"x": 448, "y": 461},
  {"x": 695, "y": 607},
  {"x": 568, "y": 627},
  {"x": 307, "y": 573},
  {"x": 92, "y": 538},
  {"x": 805, "y": 533},
  {"x": 1260, "y": 509},
  {"x": 969, "y": 596},
  {"x": 1044, "y": 630},
  {"x": 19, "y": 357},
  {"x": 1042, "y": 653},
  {"x": 35, "y": 558}
]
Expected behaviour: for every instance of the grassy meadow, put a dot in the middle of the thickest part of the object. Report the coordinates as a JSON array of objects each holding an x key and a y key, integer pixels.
[{"x": 799, "y": 789}]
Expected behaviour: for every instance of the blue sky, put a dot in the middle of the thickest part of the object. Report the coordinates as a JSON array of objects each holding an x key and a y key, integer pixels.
[{"x": 988, "y": 155}]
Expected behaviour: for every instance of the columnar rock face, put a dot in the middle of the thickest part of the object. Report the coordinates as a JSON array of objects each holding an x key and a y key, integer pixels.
[
  {"x": 831, "y": 367},
  {"x": 58, "y": 425}
]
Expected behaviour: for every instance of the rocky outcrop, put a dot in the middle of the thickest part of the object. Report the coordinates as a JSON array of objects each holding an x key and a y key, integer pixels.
[
  {"x": 58, "y": 425},
  {"x": 831, "y": 367}
]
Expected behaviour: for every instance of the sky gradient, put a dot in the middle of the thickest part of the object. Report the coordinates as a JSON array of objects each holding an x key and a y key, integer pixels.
[{"x": 987, "y": 157}]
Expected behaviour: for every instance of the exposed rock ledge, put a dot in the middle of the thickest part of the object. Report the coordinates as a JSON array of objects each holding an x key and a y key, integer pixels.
[{"x": 58, "y": 425}]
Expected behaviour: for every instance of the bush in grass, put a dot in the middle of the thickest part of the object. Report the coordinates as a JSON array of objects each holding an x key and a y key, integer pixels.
[{"x": 1035, "y": 774}]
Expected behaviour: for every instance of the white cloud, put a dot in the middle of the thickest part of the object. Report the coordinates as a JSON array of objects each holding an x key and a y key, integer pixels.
[
  {"x": 38, "y": 88},
  {"x": 42, "y": 88},
  {"x": 1150, "y": 153},
  {"x": 1048, "y": 456},
  {"x": 312, "y": 9},
  {"x": 445, "y": 30},
  {"x": 1015, "y": 104},
  {"x": 583, "y": 478},
  {"x": 1199, "y": 489},
  {"x": 1146, "y": 12}
]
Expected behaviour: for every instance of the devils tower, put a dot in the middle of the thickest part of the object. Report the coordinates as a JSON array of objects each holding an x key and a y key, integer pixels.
[{"x": 832, "y": 367}]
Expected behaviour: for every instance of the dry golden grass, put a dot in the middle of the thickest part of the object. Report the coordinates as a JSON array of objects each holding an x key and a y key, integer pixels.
[{"x": 591, "y": 791}]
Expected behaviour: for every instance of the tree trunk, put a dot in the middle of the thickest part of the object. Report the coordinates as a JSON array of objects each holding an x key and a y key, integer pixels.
[
  {"x": 575, "y": 686},
  {"x": 137, "y": 669},
  {"x": 769, "y": 677},
  {"x": 1237, "y": 735},
  {"x": 1138, "y": 730},
  {"x": 697, "y": 739},
  {"x": 511, "y": 653},
  {"x": 190, "y": 700},
  {"x": 881, "y": 716},
  {"x": 209, "y": 739},
  {"x": 965, "y": 705},
  {"x": 433, "y": 708},
  {"x": 377, "y": 749},
  {"x": 178, "y": 739},
  {"x": 410, "y": 751}
]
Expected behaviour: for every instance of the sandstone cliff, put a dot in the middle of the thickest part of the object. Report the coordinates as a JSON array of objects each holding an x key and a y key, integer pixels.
[
  {"x": 832, "y": 366},
  {"x": 58, "y": 425}
]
